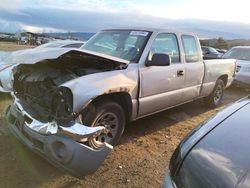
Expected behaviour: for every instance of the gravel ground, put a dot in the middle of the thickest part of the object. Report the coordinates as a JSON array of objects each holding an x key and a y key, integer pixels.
[
  {"x": 10, "y": 46},
  {"x": 140, "y": 160}
]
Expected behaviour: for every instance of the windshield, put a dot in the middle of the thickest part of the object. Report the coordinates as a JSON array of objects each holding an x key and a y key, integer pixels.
[
  {"x": 124, "y": 44},
  {"x": 238, "y": 53}
]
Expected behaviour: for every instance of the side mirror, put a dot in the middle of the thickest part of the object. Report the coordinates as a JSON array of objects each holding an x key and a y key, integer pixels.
[{"x": 159, "y": 60}]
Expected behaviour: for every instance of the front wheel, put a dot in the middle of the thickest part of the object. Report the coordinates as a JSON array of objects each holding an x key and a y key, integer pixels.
[
  {"x": 108, "y": 114},
  {"x": 215, "y": 98}
]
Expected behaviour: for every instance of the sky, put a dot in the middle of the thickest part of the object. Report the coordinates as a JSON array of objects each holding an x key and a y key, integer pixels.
[{"x": 213, "y": 17}]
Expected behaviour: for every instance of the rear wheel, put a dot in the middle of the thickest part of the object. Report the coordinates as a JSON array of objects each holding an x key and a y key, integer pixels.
[
  {"x": 215, "y": 98},
  {"x": 108, "y": 114}
]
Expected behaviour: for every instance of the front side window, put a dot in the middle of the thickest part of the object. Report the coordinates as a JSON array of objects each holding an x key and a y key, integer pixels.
[
  {"x": 166, "y": 43},
  {"x": 190, "y": 49},
  {"x": 124, "y": 44}
]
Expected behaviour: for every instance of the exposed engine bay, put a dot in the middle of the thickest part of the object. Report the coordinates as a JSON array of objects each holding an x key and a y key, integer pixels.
[{"x": 38, "y": 85}]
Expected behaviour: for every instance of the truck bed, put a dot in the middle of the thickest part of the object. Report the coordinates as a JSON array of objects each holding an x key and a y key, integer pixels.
[{"x": 217, "y": 68}]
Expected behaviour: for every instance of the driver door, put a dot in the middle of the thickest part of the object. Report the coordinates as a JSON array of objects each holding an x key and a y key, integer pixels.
[{"x": 161, "y": 86}]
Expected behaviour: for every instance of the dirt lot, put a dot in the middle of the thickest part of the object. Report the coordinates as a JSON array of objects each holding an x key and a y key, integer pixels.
[
  {"x": 140, "y": 160},
  {"x": 10, "y": 46}
]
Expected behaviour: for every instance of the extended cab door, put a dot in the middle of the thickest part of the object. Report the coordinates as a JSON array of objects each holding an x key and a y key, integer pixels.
[
  {"x": 161, "y": 86},
  {"x": 194, "y": 68}
]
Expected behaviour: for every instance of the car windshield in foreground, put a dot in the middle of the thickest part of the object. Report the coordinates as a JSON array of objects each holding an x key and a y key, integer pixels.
[
  {"x": 238, "y": 53},
  {"x": 124, "y": 44}
]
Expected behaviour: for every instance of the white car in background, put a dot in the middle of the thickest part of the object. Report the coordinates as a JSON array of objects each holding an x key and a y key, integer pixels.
[
  {"x": 242, "y": 54},
  {"x": 10, "y": 59}
]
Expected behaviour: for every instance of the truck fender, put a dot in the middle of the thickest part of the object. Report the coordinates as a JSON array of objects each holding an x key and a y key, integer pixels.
[{"x": 86, "y": 89}]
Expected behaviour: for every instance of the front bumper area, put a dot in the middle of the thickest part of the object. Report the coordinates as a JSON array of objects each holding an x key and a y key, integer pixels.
[
  {"x": 242, "y": 79},
  {"x": 63, "y": 152}
]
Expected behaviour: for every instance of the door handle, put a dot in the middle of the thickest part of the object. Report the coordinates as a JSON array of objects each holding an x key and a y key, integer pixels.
[{"x": 180, "y": 73}]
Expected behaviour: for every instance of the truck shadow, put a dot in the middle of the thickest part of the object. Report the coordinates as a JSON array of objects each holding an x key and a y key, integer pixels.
[
  {"x": 175, "y": 115},
  {"x": 20, "y": 167}
]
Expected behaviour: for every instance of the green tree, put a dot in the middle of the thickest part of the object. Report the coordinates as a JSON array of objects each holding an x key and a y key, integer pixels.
[
  {"x": 204, "y": 42},
  {"x": 221, "y": 43}
]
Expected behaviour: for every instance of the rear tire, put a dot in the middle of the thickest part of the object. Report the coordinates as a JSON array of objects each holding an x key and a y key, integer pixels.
[
  {"x": 215, "y": 98},
  {"x": 109, "y": 114}
]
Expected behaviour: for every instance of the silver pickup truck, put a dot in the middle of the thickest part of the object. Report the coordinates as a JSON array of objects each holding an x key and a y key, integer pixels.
[{"x": 71, "y": 105}]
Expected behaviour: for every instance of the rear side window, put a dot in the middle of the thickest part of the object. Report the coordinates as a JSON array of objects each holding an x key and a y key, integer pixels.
[
  {"x": 166, "y": 43},
  {"x": 190, "y": 49}
]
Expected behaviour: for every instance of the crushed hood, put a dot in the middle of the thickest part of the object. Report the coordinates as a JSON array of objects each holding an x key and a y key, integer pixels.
[{"x": 32, "y": 56}]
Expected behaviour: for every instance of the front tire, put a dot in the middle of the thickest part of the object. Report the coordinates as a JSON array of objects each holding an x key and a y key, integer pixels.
[
  {"x": 215, "y": 98},
  {"x": 108, "y": 114}
]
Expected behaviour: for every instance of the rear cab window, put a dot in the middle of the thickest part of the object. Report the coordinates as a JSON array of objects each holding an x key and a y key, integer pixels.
[{"x": 191, "y": 49}]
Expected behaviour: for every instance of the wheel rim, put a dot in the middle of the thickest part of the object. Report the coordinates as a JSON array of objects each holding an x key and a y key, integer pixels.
[
  {"x": 110, "y": 121},
  {"x": 218, "y": 94}
]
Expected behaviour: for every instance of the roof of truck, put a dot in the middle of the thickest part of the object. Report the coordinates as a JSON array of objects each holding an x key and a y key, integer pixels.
[{"x": 150, "y": 29}]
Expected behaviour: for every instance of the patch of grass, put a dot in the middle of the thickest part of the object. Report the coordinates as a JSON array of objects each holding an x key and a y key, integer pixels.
[
  {"x": 5, "y": 100},
  {"x": 11, "y": 46}
]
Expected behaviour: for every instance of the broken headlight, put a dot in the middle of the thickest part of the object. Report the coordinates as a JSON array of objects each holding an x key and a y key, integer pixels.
[{"x": 62, "y": 105}]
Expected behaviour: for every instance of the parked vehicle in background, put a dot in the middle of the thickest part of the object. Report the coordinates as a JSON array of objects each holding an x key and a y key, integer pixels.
[
  {"x": 242, "y": 54},
  {"x": 87, "y": 95},
  {"x": 222, "y": 51},
  {"x": 210, "y": 53},
  {"x": 216, "y": 153}
]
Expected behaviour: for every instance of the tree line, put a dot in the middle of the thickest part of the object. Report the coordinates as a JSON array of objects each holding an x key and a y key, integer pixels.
[
  {"x": 221, "y": 43},
  {"x": 216, "y": 43}
]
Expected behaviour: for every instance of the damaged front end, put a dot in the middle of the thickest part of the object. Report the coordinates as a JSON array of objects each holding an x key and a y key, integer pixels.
[
  {"x": 58, "y": 144},
  {"x": 42, "y": 114}
]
